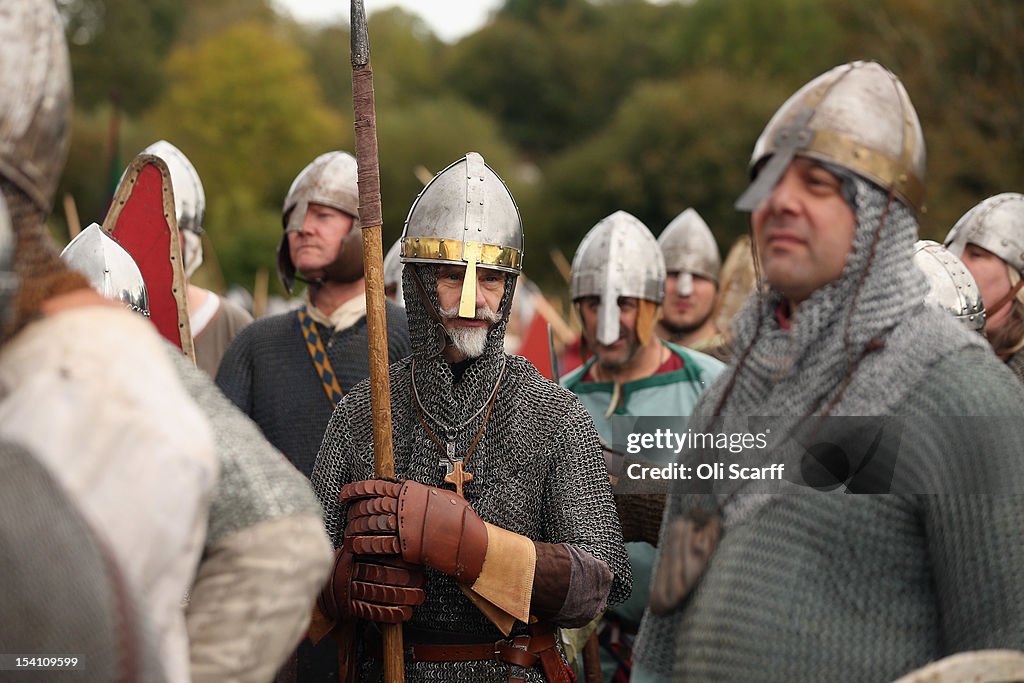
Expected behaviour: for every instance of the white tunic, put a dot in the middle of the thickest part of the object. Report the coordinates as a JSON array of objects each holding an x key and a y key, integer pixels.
[{"x": 92, "y": 393}]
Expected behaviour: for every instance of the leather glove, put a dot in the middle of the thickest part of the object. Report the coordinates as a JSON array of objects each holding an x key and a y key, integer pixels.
[
  {"x": 426, "y": 525},
  {"x": 378, "y": 588}
]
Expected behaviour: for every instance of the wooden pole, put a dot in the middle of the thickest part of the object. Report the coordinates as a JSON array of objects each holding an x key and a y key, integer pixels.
[
  {"x": 260, "y": 293},
  {"x": 71, "y": 216},
  {"x": 373, "y": 263},
  {"x": 561, "y": 263}
]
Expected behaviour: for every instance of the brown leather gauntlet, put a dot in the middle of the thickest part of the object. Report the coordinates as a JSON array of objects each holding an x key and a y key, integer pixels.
[
  {"x": 371, "y": 587},
  {"x": 427, "y": 525},
  {"x": 439, "y": 529}
]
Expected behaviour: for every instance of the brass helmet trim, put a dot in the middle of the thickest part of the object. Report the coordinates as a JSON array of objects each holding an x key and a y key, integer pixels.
[
  {"x": 795, "y": 134},
  {"x": 463, "y": 253}
]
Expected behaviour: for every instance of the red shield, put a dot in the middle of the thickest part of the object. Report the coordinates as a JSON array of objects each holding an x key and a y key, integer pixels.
[{"x": 142, "y": 219}]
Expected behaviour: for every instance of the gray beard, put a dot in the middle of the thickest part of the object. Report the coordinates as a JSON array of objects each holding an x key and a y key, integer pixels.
[{"x": 470, "y": 341}]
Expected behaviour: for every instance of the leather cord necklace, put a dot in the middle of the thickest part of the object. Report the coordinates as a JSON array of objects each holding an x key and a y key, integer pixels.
[{"x": 455, "y": 472}]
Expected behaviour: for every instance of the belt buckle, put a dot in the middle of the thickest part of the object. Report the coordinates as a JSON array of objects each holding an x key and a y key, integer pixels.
[{"x": 511, "y": 643}]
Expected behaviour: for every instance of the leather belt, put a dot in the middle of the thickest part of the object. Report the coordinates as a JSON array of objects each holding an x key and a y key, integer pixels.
[
  {"x": 538, "y": 648},
  {"x": 521, "y": 651}
]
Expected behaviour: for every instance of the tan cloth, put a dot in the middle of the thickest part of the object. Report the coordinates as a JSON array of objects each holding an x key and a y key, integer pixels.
[
  {"x": 505, "y": 584},
  {"x": 213, "y": 338},
  {"x": 343, "y": 317},
  {"x": 253, "y": 598},
  {"x": 92, "y": 393}
]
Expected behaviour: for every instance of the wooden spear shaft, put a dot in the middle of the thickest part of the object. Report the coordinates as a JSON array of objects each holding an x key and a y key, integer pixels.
[{"x": 373, "y": 263}]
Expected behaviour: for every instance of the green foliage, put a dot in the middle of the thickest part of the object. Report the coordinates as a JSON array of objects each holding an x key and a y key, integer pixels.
[
  {"x": 786, "y": 40},
  {"x": 671, "y": 145},
  {"x": 245, "y": 109},
  {"x": 244, "y": 237},
  {"x": 507, "y": 70},
  {"x": 328, "y": 50},
  {"x": 583, "y": 106},
  {"x": 405, "y": 56},
  {"x": 117, "y": 47}
]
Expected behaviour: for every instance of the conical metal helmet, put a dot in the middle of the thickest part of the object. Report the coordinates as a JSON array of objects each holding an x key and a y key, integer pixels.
[
  {"x": 950, "y": 285},
  {"x": 35, "y": 114},
  {"x": 619, "y": 257},
  {"x": 690, "y": 249},
  {"x": 331, "y": 180},
  {"x": 465, "y": 216},
  {"x": 189, "y": 197},
  {"x": 857, "y": 116},
  {"x": 997, "y": 225},
  {"x": 393, "y": 271},
  {"x": 109, "y": 268}
]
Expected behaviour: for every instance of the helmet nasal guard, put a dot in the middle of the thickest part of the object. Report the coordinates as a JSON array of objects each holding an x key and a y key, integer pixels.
[
  {"x": 619, "y": 257},
  {"x": 690, "y": 249},
  {"x": 330, "y": 180}
]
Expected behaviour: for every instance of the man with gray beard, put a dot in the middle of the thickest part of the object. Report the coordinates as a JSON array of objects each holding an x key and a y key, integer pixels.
[
  {"x": 469, "y": 336},
  {"x": 506, "y": 466}
]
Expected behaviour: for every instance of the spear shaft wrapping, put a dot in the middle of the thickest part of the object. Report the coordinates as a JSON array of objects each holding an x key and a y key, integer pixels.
[{"x": 373, "y": 263}]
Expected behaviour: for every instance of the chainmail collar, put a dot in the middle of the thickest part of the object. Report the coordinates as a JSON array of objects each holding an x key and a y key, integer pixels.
[
  {"x": 854, "y": 347},
  {"x": 444, "y": 400},
  {"x": 451, "y": 428},
  {"x": 872, "y": 319}
]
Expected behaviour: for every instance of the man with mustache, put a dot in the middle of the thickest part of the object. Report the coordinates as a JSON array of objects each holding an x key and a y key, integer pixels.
[
  {"x": 618, "y": 283},
  {"x": 824, "y": 585},
  {"x": 502, "y": 512}
]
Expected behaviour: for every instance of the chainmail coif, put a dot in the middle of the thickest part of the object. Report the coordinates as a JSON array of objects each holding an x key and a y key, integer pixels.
[
  {"x": 839, "y": 587},
  {"x": 538, "y": 469},
  {"x": 797, "y": 372}
]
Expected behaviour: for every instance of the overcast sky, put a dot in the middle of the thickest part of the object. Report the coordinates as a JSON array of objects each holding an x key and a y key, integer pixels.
[{"x": 449, "y": 19}]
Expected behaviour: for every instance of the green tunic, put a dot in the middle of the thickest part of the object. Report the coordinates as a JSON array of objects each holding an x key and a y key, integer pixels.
[{"x": 669, "y": 394}]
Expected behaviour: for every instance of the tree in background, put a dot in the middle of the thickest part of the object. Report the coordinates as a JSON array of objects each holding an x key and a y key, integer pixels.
[
  {"x": 418, "y": 140},
  {"x": 119, "y": 45},
  {"x": 586, "y": 106},
  {"x": 243, "y": 105},
  {"x": 666, "y": 149}
]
